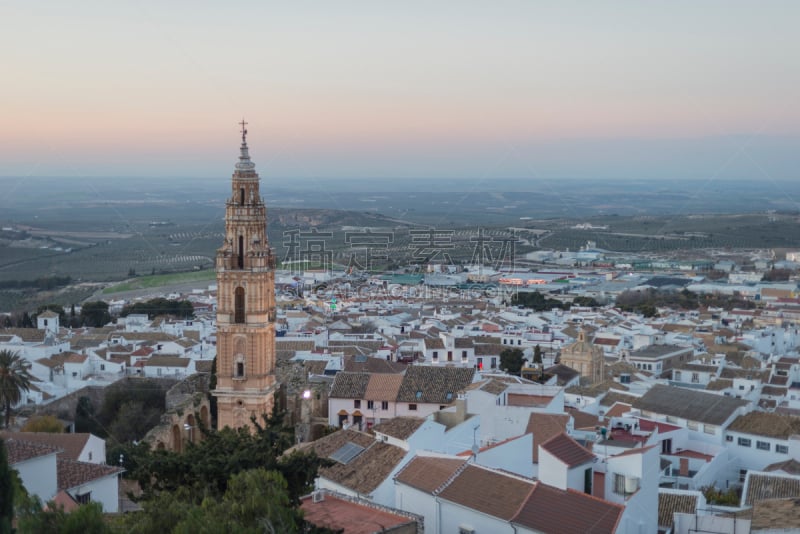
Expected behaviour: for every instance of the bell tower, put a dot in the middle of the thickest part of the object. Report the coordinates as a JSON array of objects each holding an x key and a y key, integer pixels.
[{"x": 245, "y": 303}]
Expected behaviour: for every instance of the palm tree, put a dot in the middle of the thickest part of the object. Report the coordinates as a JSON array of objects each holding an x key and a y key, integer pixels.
[{"x": 14, "y": 379}]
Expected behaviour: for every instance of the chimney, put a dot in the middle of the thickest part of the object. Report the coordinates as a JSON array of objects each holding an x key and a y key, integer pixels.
[{"x": 684, "y": 467}]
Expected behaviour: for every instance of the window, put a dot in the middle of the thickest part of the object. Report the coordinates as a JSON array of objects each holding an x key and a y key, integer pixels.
[
  {"x": 412, "y": 407},
  {"x": 435, "y": 355},
  {"x": 742, "y": 474},
  {"x": 782, "y": 449},
  {"x": 240, "y": 259},
  {"x": 384, "y": 405},
  {"x": 238, "y": 306},
  {"x": 695, "y": 378},
  {"x": 677, "y": 376},
  {"x": 619, "y": 484},
  {"x": 239, "y": 369},
  {"x": 741, "y": 387},
  {"x": 418, "y": 395},
  {"x": 370, "y": 405},
  {"x": 728, "y": 438},
  {"x": 356, "y": 404},
  {"x": 479, "y": 363},
  {"x": 710, "y": 429},
  {"x": 692, "y": 425},
  {"x": 494, "y": 363},
  {"x": 743, "y": 442},
  {"x": 449, "y": 355},
  {"x": 83, "y": 498},
  {"x": 102, "y": 367},
  {"x": 762, "y": 445},
  {"x": 463, "y": 355}
]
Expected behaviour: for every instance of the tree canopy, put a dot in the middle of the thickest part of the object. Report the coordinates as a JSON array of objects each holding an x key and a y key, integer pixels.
[
  {"x": 511, "y": 360},
  {"x": 160, "y": 306},
  {"x": 14, "y": 379},
  {"x": 95, "y": 313}
]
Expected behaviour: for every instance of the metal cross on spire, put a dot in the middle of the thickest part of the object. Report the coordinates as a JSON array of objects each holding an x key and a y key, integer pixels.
[{"x": 244, "y": 130}]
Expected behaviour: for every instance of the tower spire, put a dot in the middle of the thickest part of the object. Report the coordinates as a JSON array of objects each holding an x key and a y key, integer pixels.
[{"x": 244, "y": 155}]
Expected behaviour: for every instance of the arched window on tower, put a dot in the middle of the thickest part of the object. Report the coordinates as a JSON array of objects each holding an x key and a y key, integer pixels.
[
  {"x": 239, "y": 370},
  {"x": 241, "y": 252},
  {"x": 238, "y": 305},
  {"x": 241, "y": 196}
]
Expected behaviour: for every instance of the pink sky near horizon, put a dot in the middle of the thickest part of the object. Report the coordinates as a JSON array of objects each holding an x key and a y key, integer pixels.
[{"x": 95, "y": 88}]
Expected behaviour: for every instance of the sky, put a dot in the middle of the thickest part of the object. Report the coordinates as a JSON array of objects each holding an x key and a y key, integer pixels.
[{"x": 385, "y": 90}]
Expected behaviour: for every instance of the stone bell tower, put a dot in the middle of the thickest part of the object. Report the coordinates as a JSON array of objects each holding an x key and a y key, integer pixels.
[{"x": 245, "y": 303}]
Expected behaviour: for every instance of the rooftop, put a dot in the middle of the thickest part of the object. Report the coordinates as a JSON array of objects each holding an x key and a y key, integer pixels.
[
  {"x": 689, "y": 404},
  {"x": 551, "y": 510},
  {"x": 350, "y": 516}
]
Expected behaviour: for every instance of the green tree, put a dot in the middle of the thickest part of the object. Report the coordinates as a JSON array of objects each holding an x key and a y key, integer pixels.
[
  {"x": 95, "y": 314},
  {"x": 43, "y": 423},
  {"x": 52, "y": 519},
  {"x": 205, "y": 467},
  {"x": 14, "y": 379},
  {"x": 26, "y": 321},
  {"x": 6, "y": 492},
  {"x": 85, "y": 420},
  {"x": 511, "y": 360},
  {"x": 537, "y": 354}
]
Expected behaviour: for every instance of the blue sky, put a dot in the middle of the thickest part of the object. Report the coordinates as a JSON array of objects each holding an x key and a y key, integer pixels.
[{"x": 371, "y": 89}]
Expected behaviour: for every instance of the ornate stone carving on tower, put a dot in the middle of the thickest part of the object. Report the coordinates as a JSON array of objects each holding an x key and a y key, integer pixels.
[
  {"x": 245, "y": 303},
  {"x": 585, "y": 357}
]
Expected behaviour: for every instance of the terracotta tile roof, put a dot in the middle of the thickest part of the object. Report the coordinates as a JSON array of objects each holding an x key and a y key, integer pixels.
[
  {"x": 583, "y": 420},
  {"x": 327, "y": 445},
  {"x": 21, "y": 451},
  {"x": 368, "y": 470},
  {"x": 399, "y": 427},
  {"x": 70, "y": 445},
  {"x": 429, "y": 474},
  {"x": 486, "y": 491},
  {"x": 618, "y": 410},
  {"x": 494, "y": 386},
  {"x": 771, "y": 425},
  {"x": 73, "y": 357},
  {"x": 294, "y": 344},
  {"x": 689, "y": 404},
  {"x": 719, "y": 384},
  {"x": 544, "y": 426},
  {"x": 372, "y": 365},
  {"x": 27, "y": 335},
  {"x": 567, "y": 450},
  {"x": 383, "y": 387},
  {"x": 776, "y": 515},
  {"x": 564, "y": 373},
  {"x": 434, "y": 343},
  {"x": 167, "y": 361},
  {"x": 521, "y": 399},
  {"x": 434, "y": 385},
  {"x": 64, "y": 500},
  {"x": 314, "y": 367},
  {"x": 791, "y": 467},
  {"x": 761, "y": 486},
  {"x": 72, "y": 474},
  {"x": 551, "y": 510},
  {"x": 463, "y": 343},
  {"x": 348, "y": 385},
  {"x": 340, "y": 513},
  {"x": 488, "y": 349}
]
